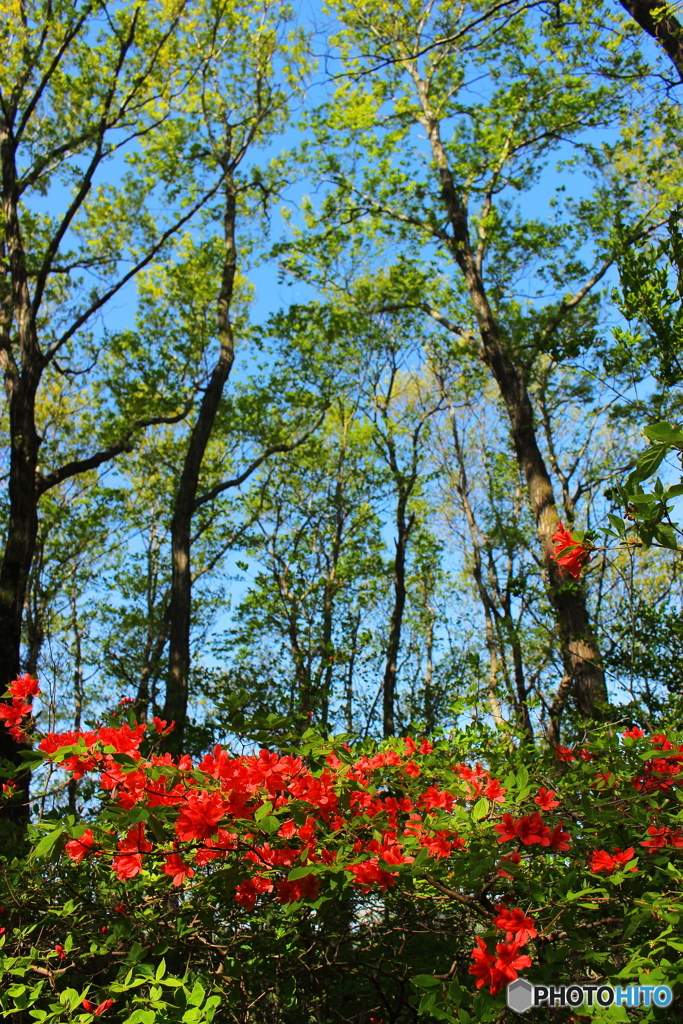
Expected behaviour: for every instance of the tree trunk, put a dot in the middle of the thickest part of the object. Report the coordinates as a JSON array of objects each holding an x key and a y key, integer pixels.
[
  {"x": 667, "y": 29},
  {"x": 21, "y": 385},
  {"x": 579, "y": 648},
  {"x": 403, "y": 528},
  {"x": 175, "y": 707}
]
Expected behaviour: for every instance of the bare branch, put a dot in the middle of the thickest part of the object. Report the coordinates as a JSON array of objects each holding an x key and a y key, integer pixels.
[
  {"x": 272, "y": 450},
  {"x": 58, "y": 476}
]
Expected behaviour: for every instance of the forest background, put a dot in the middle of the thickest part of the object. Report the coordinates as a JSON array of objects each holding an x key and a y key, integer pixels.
[{"x": 315, "y": 328}]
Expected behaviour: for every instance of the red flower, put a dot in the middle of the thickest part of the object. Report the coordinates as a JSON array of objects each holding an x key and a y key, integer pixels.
[
  {"x": 434, "y": 798},
  {"x": 127, "y": 862},
  {"x": 59, "y": 950},
  {"x": 512, "y": 858},
  {"x": 506, "y": 829},
  {"x": 494, "y": 792},
  {"x": 569, "y": 554},
  {"x": 97, "y": 1010},
  {"x": 496, "y": 971},
  {"x": 483, "y": 963},
  {"x": 162, "y": 726},
  {"x": 24, "y": 686},
  {"x": 305, "y": 888},
  {"x": 177, "y": 869},
  {"x": 660, "y": 837},
  {"x": 518, "y": 928},
  {"x": 564, "y": 754},
  {"x": 609, "y": 862},
  {"x": 199, "y": 818},
  {"x": 248, "y": 890},
  {"x": 546, "y": 799},
  {"x": 531, "y": 829},
  {"x": 635, "y": 732},
  {"x": 77, "y": 849},
  {"x": 559, "y": 839}
]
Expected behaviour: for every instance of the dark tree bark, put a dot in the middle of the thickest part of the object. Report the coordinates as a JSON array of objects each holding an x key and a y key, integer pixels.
[
  {"x": 666, "y": 29},
  {"x": 579, "y": 648},
  {"x": 180, "y": 610},
  {"x": 404, "y": 526}
]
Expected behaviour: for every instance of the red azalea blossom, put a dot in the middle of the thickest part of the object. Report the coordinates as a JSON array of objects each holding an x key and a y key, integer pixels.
[
  {"x": 77, "y": 849},
  {"x": 97, "y": 1010},
  {"x": 529, "y": 829},
  {"x": 127, "y": 862},
  {"x": 497, "y": 971},
  {"x": 59, "y": 950},
  {"x": 162, "y": 726},
  {"x": 199, "y": 817},
  {"x": 559, "y": 839},
  {"x": 546, "y": 799},
  {"x": 564, "y": 754},
  {"x": 609, "y": 862},
  {"x": 247, "y": 891},
  {"x": 24, "y": 686},
  {"x": 178, "y": 870},
  {"x": 569, "y": 554},
  {"x": 512, "y": 858},
  {"x": 516, "y": 925},
  {"x": 494, "y": 792},
  {"x": 635, "y": 733}
]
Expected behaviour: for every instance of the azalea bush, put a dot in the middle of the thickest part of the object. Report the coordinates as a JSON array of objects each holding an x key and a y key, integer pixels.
[{"x": 410, "y": 881}]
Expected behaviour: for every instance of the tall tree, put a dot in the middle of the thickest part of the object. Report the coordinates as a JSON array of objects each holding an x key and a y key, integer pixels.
[
  {"x": 243, "y": 96},
  {"x": 451, "y": 204},
  {"x": 81, "y": 86}
]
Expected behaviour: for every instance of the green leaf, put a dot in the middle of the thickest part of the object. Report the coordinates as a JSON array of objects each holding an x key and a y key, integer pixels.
[
  {"x": 263, "y": 811},
  {"x": 160, "y": 971},
  {"x": 664, "y": 432},
  {"x": 425, "y": 981},
  {"x": 617, "y": 523},
  {"x": 300, "y": 872},
  {"x": 125, "y": 760},
  {"x": 196, "y": 996},
  {"x": 47, "y": 842},
  {"x": 648, "y": 462},
  {"x": 480, "y": 809},
  {"x": 666, "y": 535}
]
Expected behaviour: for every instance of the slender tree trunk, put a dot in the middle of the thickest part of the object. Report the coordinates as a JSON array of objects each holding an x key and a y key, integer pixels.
[
  {"x": 429, "y": 671},
  {"x": 580, "y": 652},
  {"x": 403, "y": 529},
  {"x": 175, "y": 707},
  {"x": 21, "y": 384},
  {"x": 78, "y": 691}
]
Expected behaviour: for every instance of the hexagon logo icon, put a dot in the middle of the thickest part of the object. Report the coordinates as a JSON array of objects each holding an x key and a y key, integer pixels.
[{"x": 520, "y": 995}]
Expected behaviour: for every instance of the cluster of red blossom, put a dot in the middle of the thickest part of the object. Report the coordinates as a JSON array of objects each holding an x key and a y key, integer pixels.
[
  {"x": 14, "y": 713},
  {"x": 570, "y": 555},
  {"x": 287, "y": 819},
  {"x": 497, "y": 970}
]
